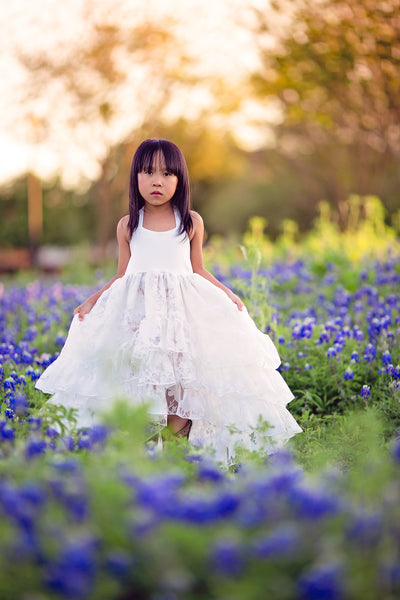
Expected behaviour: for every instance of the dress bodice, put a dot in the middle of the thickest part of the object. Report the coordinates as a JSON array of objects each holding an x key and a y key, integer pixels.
[{"x": 163, "y": 251}]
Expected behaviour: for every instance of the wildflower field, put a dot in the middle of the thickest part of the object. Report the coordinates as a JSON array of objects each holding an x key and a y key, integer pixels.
[{"x": 101, "y": 514}]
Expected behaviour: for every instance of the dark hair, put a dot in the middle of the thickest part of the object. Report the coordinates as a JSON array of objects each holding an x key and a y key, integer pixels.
[{"x": 176, "y": 164}]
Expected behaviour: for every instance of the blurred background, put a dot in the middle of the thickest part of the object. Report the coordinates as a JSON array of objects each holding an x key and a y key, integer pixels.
[{"x": 277, "y": 106}]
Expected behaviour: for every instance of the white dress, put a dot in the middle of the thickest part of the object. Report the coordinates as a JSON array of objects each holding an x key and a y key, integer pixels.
[{"x": 166, "y": 336}]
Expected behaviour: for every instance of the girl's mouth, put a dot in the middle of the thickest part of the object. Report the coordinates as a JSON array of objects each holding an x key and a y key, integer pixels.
[{"x": 156, "y": 193}]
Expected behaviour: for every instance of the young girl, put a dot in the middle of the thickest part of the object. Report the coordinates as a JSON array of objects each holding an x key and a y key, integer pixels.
[{"x": 165, "y": 332}]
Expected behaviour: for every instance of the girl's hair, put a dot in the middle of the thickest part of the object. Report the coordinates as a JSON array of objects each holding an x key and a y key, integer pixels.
[{"x": 175, "y": 163}]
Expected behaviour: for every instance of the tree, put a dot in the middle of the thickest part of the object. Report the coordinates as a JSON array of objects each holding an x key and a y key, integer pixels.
[{"x": 335, "y": 72}]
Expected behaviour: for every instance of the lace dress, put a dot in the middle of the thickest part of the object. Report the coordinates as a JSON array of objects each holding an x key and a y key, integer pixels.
[{"x": 166, "y": 336}]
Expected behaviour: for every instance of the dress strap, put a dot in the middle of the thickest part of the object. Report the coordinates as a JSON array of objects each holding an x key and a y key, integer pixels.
[{"x": 140, "y": 224}]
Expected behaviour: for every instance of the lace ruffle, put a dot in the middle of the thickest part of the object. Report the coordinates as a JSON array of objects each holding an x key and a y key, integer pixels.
[{"x": 178, "y": 343}]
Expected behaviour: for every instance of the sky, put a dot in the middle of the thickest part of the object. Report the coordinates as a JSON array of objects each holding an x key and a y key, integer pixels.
[{"x": 214, "y": 32}]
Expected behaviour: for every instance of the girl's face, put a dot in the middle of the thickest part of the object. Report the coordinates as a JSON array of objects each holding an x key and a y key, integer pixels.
[{"x": 156, "y": 184}]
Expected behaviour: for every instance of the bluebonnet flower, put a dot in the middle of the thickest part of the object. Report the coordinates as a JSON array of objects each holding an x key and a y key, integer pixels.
[
  {"x": 370, "y": 353},
  {"x": 51, "y": 432},
  {"x": 308, "y": 367},
  {"x": 322, "y": 582},
  {"x": 365, "y": 391},
  {"x": 60, "y": 339},
  {"x": 323, "y": 338},
  {"x": 208, "y": 471},
  {"x": 35, "y": 447},
  {"x": 9, "y": 383},
  {"x": 35, "y": 423},
  {"x": 119, "y": 564},
  {"x": 68, "y": 466},
  {"x": 67, "y": 443},
  {"x": 348, "y": 374},
  {"x": 19, "y": 404},
  {"x": 9, "y": 414},
  {"x": 99, "y": 434},
  {"x": 355, "y": 357},
  {"x": 286, "y": 366},
  {"x": 72, "y": 574},
  {"x": 389, "y": 574},
  {"x": 30, "y": 333},
  {"x": 365, "y": 529},
  {"x": 386, "y": 358},
  {"x": 331, "y": 352},
  {"x": 314, "y": 504},
  {"x": 6, "y": 431},
  {"x": 84, "y": 441},
  {"x": 280, "y": 542},
  {"x": 226, "y": 557},
  {"x": 281, "y": 339},
  {"x": 358, "y": 334}
]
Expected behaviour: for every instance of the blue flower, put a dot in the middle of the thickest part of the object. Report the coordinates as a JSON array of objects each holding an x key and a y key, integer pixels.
[
  {"x": 322, "y": 582},
  {"x": 6, "y": 431},
  {"x": 365, "y": 529},
  {"x": 348, "y": 374},
  {"x": 35, "y": 447},
  {"x": 314, "y": 504},
  {"x": 208, "y": 471},
  {"x": 99, "y": 434},
  {"x": 365, "y": 391},
  {"x": 51, "y": 432},
  {"x": 280, "y": 542},
  {"x": 119, "y": 564},
  {"x": 72, "y": 574},
  {"x": 354, "y": 357},
  {"x": 331, "y": 352},
  {"x": 19, "y": 404},
  {"x": 226, "y": 557},
  {"x": 386, "y": 358},
  {"x": 9, "y": 383}
]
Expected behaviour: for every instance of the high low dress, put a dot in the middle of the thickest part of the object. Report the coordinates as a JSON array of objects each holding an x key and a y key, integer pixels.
[{"x": 165, "y": 336}]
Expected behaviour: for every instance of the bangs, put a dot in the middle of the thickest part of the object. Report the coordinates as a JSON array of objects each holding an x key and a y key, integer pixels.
[
  {"x": 153, "y": 151},
  {"x": 149, "y": 153}
]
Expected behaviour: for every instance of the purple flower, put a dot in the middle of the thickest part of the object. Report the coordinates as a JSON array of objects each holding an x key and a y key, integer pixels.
[
  {"x": 6, "y": 431},
  {"x": 386, "y": 358},
  {"x": 365, "y": 391},
  {"x": 280, "y": 542},
  {"x": 322, "y": 582},
  {"x": 72, "y": 574},
  {"x": 348, "y": 374},
  {"x": 355, "y": 357},
  {"x": 19, "y": 404},
  {"x": 35, "y": 447},
  {"x": 119, "y": 564},
  {"x": 226, "y": 557}
]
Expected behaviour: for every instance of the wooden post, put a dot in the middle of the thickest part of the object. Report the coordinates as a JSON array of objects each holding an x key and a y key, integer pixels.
[{"x": 35, "y": 216}]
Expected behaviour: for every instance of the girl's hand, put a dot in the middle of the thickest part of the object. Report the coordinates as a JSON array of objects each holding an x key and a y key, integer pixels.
[
  {"x": 83, "y": 309},
  {"x": 236, "y": 300}
]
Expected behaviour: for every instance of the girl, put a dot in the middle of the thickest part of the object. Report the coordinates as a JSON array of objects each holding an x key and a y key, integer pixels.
[{"x": 164, "y": 331}]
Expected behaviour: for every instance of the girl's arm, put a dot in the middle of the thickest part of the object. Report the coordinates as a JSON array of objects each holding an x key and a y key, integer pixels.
[
  {"x": 196, "y": 258},
  {"x": 123, "y": 259}
]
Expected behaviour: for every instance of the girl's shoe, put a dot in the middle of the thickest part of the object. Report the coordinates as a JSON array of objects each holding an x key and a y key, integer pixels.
[{"x": 185, "y": 430}]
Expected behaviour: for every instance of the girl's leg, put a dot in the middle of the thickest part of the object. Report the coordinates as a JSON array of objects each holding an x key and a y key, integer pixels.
[{"x": 176, "y": 423}]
